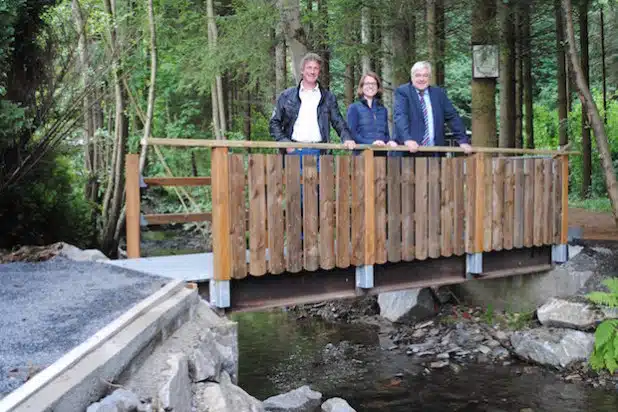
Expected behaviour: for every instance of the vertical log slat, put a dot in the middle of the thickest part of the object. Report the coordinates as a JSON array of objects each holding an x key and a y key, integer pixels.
[
  {"x": 133, "y": 205},
  {"x": 380, "y": 209},
  {"x": 446, "y": 207},
  {"x": 479, "y": 202},
  {"x": 358, "y": 211},
  {"x": 238, "y": 215},
  {"x": 274, "y": 205},
  {"x": 257, "y": 215},
  {"x": 539, "y": 217},
  {"x": 528, "y": 202},
  {"x": 342, "y": 214},
  {"x": 433, "y": 228},
  {"x": 518, "y": 212},
  {"x": 498, "y": 204},
  {"x": 459, "y": 207},
  {"x": 310, "y": 213},
  {"x": 488, "y": 192},
  {"x": 509, "y": 204},
  {"x": 327, "y": 213},
  {"x": 421, "y": 215},
  {"x": 394, "y": 208},
  {"x": 407, "y": 208},
  {"x": 293, "y": 219},
  {"x": 221, "y": 245}
]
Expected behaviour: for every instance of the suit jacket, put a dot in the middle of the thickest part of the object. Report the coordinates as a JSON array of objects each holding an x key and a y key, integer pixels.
[{"x": 408, "y": 116}]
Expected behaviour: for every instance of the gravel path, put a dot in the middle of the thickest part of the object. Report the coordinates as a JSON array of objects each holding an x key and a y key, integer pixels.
[{"x": 48, "y": 308}]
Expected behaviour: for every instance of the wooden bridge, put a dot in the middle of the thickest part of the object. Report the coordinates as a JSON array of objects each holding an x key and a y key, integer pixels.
[{"x": 289, "y": 230}]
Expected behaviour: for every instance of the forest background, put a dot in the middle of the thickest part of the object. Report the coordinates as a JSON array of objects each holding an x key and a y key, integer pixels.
[{"x": 83, "y": 81}]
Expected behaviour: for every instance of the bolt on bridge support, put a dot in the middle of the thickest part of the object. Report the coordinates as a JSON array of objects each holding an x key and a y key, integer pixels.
[
  {"x": 220, "y": 293},
  {"x": 560, "y": 253},
  {"x": 474, "y": 264},
  {"x": 364, "y": 276}
]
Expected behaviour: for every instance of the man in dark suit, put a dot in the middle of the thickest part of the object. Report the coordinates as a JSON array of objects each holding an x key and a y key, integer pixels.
[{"x": 420, "y": 111}]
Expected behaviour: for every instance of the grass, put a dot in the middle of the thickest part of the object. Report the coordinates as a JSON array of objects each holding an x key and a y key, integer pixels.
[{"x": 599, "y": 204}]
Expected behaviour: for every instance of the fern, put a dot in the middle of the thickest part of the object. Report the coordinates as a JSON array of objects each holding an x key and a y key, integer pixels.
[
  {"x": 612, "y": 285},
  {"x": 605, "y": 353}
]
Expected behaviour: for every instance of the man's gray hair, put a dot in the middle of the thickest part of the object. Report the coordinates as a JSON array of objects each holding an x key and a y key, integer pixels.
[
  {"x": 419, "y": 66},
  {"x": 310, "y": 57}
]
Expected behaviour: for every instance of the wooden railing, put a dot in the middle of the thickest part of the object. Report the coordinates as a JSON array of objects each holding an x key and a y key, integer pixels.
[{"x": 337, "y": 211}]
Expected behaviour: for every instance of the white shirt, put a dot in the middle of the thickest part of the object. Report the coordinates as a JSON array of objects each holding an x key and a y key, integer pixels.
[
  {"x": 429, "y": 115},
  {"x": 306, "y": 128}
]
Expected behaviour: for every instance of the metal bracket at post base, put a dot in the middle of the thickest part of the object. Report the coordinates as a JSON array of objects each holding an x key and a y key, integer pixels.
[
  {"x": 474, "y": 264},
  {"x": 219, "y": 293},
  {"x": 364, "y": 276},
  {"x": 559, "y": 253}
]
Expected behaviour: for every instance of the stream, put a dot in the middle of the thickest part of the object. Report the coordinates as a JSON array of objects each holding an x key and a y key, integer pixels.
[{"x": 279, "y": 352}]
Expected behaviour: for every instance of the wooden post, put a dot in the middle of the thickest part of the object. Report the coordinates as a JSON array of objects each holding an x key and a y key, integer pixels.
[
  {"x": 479, "y": 211},
  {"x": 221, "y": 244},
  {"x": 370, "y": 194},
  {"x": 133, "y": 205},
  {"x": 564, "y": 230}
]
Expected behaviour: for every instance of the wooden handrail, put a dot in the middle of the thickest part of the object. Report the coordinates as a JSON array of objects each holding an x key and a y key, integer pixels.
[
  {"x": 244, "y": 144},
  {"x": 178, "y": 181}
]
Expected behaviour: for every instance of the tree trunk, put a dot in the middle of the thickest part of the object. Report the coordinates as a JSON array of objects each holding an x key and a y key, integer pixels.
[
  {"x": 218, "y": 105},
  {"x": 92, "y": 187},
  {"x": 348, "y": 84},
  {"x": 404, "y": 42},
  {"x": 603, "y": 67},
  {"x": 586, "y": 142},
  {"x": 112, "y": 201},
  {"x": 592, "y": 113},
  {"x": 441, "y": 43},
  {"x": 507, "y": 75},
  {"x": 151, "y": 88},
  {"x": 324, "y": 44},
  {"x": 519, "y": 74},
  {"x": 484, "y": 89},
  {"x": 563, "y": 115},
  {"x": 387, "y": 62},
  {"x": 280, "y": 60},
  {"x": 432, "y": 37},
  {"x": 365, "y": 39},
  {"x": 294, "y": 34},
  {"x": 527, "y": 77}
]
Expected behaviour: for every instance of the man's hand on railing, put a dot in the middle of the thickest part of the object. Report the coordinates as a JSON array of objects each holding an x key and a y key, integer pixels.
[
  {"x": 349, "y": 144},
  {"x": 467, "y": 148},
  {"x": 412, "y": 145}
]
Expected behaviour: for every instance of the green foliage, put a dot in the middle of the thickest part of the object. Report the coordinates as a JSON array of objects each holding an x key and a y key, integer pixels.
[
  {"x": 48, "y": 207},
  {"x": 605, "y": 353}
]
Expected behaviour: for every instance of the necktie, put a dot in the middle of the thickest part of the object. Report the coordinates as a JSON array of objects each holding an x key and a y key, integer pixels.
[{"x": 425, "y": 118}]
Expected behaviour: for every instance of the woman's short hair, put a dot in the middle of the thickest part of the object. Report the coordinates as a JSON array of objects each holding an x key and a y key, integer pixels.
[{"x": 359, "y": 91}]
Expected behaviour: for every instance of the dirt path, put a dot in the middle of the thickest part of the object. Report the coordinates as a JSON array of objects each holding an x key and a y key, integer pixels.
[{"x": 595, "y": 225}]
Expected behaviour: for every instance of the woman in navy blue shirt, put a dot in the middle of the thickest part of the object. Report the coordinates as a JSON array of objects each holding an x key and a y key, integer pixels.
[{"x": 367, "y": 117}]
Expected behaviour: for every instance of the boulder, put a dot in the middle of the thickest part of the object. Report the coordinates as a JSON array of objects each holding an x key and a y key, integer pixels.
[
  {"x": 407, "y": 306},
  {"x": 302, "y": 399},
  {"x": 121, "y": 400},
  {"x": 224, "y": 397},
  {"x": 552, "y": 346},
  {"x": 570, "y": 313},
  {"x": 175, "y": 394},
  {"x": 337, "y": 405},
  {"x": 210, "y": 358},
  {"x": 74, "y": 253}
]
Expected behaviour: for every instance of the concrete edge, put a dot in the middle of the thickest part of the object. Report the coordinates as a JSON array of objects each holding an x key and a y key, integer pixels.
[{"x": 66, "y": 362}]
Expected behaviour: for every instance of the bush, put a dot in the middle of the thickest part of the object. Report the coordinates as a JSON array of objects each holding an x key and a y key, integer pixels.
[{"x": 46, "y": 207}]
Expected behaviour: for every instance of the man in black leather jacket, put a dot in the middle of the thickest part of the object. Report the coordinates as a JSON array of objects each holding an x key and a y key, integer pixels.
[{"x": 305, "y": 113}]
